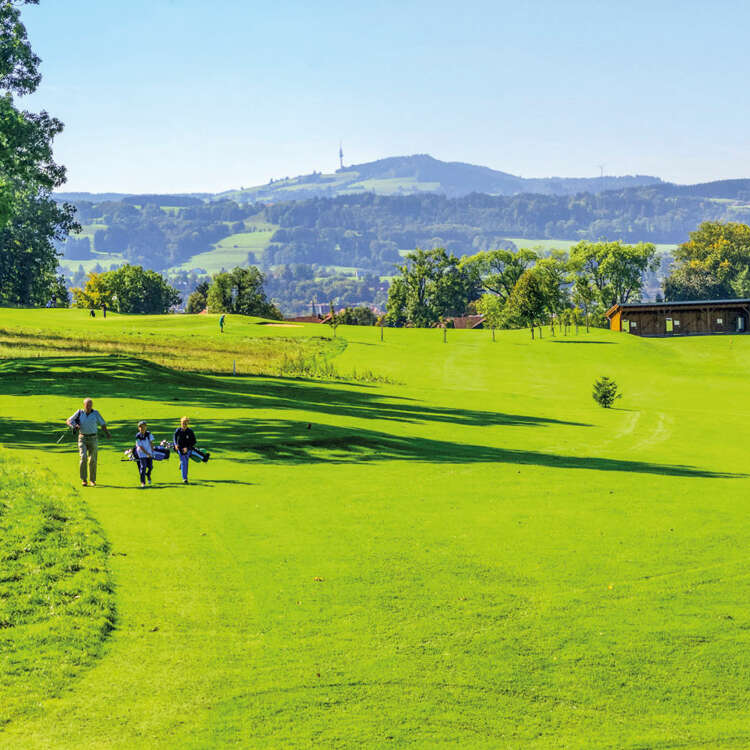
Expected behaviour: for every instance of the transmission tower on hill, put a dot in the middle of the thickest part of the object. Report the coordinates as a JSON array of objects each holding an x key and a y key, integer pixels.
[{"x": 341, "y": 155}]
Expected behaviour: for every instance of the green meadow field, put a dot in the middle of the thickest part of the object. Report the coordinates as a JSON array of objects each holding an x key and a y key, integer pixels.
[
  {"x": 230, "y": 252},
  {"x": 546, "y": 245},
  {"x": 439, "y": 545}
]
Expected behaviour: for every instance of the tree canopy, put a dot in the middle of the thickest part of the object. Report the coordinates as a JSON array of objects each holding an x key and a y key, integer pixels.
[
  {"x": 30, "y": 220},
  {"x": 241, "y": 292},
  {"x": 129, "y": 289},
  {"x": 614, "y": 270},
  {"x": 528, "y": 303},
  {"x": 497, "y": 271},
  {"x": 432, "y": 285},
  {"x": 712, "y": 264}
]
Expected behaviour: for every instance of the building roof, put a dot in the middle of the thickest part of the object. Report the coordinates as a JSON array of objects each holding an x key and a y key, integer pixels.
[
  {"x": 682, "y": 303},
  {"x": 467, "y": 321},
  {"x": 304, "y": 319}
]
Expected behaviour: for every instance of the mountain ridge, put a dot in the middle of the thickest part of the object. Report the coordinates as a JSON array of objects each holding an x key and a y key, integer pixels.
[{"x": 401, "y": 175}]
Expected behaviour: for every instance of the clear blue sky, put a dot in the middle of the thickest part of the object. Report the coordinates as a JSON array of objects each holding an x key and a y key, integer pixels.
[{"x": 205, "y": 95}]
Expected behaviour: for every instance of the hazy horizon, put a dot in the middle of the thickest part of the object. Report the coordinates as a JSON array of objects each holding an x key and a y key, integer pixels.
[{"x": 163, "y": 98}]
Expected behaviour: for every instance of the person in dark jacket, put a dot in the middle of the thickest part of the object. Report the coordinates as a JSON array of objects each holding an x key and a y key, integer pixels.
[{"x": 184, "y": 442}]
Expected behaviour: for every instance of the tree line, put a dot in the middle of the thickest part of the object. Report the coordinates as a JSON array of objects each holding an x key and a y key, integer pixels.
[
  {"x": 521, "y": 288},
  {"x": 369, "y": 232},
  {"x": 509, "y": 287}
]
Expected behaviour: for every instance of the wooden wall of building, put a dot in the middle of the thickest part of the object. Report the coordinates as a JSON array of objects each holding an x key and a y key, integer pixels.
[{"x": 684, "y": 321}]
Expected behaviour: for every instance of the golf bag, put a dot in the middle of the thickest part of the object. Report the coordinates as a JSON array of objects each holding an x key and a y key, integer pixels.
[
  {"x": 161, "y": 453},
  {"x": 199, "y": 456}
]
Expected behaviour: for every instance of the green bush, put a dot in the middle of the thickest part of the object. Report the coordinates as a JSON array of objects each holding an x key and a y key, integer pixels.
[{"x": 605, "y": 392}]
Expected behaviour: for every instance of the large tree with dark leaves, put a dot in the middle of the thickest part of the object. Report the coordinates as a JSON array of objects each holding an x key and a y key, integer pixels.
[
  {"x": 432, "y": 284},
  {"x": 240, "y": 292},
  {"x": 30, "y": 220}
]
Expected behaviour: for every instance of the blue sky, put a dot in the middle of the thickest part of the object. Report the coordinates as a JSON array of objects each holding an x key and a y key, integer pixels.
[{"x": 190, "y": 95}]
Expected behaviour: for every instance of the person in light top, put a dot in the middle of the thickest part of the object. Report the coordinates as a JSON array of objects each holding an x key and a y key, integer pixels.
[
  {"x": 87, "y": 422},
  {"x": 144, "y": 452}
]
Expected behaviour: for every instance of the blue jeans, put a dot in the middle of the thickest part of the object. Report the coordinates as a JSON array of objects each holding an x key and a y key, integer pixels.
[
  {"x": 145, "y": 465},
  {"x": 184, "y": 461}
]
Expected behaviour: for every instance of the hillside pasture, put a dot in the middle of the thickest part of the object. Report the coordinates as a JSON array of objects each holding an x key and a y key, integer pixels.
[
  {"x": 230, "y": 252},
  {"x": 546, "y": 245},
  {"x": 473, "y": 554}
]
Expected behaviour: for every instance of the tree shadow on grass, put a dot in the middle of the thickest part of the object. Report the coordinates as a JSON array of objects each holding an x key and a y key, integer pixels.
[
  {"x": 609, "y": 343},
  {"x": 285, "y": 442},
  {"x": 127, "y": 377}
]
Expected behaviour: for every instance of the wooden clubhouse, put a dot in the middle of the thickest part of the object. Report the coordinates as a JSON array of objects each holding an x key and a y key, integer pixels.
[{"x": 694, "y": 317}]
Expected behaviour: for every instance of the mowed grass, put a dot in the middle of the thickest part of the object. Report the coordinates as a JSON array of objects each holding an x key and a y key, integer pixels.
[{"x": 478, "y": 556}]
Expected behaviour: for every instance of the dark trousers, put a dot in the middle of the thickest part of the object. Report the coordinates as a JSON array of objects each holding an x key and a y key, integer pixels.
[{"x": 144, "y": 468}]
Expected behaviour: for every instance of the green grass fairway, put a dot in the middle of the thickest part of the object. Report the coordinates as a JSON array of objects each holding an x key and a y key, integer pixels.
[{"x": 474, "y": 555}]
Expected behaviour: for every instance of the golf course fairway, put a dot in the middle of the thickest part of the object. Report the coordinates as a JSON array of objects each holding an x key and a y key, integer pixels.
[{"x": 459, "y": 549}]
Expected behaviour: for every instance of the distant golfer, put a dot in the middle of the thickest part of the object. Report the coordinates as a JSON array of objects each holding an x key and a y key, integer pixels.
[
  {"x": 184, "y": 442},
  {"x": 144, "y": 452},
  {"x": 87, "y": 421},
  {"x": 104, "y": 309},
  {"x": 221, "y": 323}
]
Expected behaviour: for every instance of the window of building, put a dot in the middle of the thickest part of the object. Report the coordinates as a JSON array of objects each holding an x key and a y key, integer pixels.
[
  {"x": 670, "y": 325},
  {"x": 720, "y": 321},
  {"x": 626, "y": 326}
]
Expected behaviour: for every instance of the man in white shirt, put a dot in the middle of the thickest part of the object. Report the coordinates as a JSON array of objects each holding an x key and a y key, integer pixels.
[{"x": 87, "y": 421}]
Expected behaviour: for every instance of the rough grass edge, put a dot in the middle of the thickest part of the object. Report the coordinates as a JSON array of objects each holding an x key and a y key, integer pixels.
[{"x": 57, "y": 598}]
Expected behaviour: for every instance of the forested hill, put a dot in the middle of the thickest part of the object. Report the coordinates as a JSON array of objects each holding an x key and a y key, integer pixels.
[
  {"x": 404, "y": 175},
  {"x": 371, "y": 231}
]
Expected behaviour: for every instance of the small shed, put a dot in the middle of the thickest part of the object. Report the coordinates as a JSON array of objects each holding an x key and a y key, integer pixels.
[{"x": 691, "y": 317}]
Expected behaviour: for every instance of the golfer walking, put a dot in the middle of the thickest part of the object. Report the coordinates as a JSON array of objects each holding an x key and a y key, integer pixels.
[
  {"x": 87, "y": 421},
  {"x": 144, "y": 451},
  {"x": 184, "y": 442}
]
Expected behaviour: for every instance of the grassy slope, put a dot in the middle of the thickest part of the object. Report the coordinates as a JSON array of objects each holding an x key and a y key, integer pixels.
[
  {"x": 503, "y": 563},
  {"x": 180, "y": 343},
  {"x": 230, "y": 252}
]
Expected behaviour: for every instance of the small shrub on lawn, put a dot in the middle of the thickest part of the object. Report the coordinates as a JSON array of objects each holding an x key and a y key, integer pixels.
[{"x": 605, "y": 392}]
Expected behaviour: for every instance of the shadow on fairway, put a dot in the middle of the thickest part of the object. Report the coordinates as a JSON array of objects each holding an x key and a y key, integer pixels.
[
  {"x": 287, "y": 442},
  {"x": 278, "y": 441},
  {"x": 158, "y": 485},
  {"x": 126, "y": 377}
]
